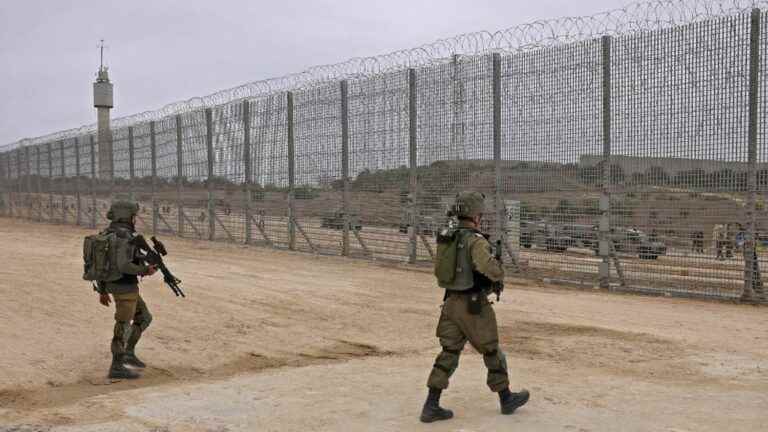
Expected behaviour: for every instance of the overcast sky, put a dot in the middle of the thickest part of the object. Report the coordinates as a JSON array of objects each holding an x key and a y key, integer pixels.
[{"x": 162, "y": 51}]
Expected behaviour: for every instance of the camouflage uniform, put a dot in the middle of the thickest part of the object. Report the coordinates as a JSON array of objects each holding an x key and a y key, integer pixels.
[
  {"x": 132, "y": 317},
  {"x": 457, "y": 325},
  {"x": 467, "y": 315}
]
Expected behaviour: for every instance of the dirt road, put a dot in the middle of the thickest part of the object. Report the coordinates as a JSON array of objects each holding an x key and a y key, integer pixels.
[{"x": 271, "y": 340}]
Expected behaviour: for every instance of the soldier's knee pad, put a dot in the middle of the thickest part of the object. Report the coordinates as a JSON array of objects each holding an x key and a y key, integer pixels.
[
  {"x": 146, "y": 320},
  {"x": 450, "y": 354},
  {"x": 122, "y": 330}
]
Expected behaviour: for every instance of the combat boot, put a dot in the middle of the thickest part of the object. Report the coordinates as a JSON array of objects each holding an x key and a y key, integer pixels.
[
  {"x": 118, "y": 370},
  {"x": 432, "y": 411},
  {"x": 511, "y": 401},
  {"x": 130, "y": 359}
]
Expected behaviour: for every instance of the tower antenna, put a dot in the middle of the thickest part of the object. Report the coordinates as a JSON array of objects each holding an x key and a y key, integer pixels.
[{"x": 101, "y": 56}]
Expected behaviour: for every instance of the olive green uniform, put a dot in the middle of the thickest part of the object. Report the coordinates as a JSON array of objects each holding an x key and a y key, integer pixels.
[
  {"x": 457, "y": 325},
  {"x": 132, "y": 317}
]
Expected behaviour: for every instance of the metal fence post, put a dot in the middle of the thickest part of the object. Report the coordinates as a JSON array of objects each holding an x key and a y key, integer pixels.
[
  {"x": 498, "y": 199},
  {"x": 457, "y": 122},
  {"x": 604, "y": 270},
  {"x": 10, "y": 184},
  {"x": 291, "y": 174},
  {"x": 63, "y": 184},
  {"x": 4, "y": 180},
  {"x": 153, "y": 183},
  {"x": 93, "y": 181},
  {"x": 248, "y": 170},
  {"x": 753, "y": 286},
  {"x": 179, "y": 176},
  {"x": 413, "y": 179},
  {"x": 209, "y": 145},
  {"x": 50, "y": 183},
  {"x": 28, "y": 182},
  {"x": 131, "y": 165},
  {"x": 20, "y": 193},
  {"x": 345, "y": 165},
  {"x": 39, "y": 184},
  {"x": 78, "y": 203}
]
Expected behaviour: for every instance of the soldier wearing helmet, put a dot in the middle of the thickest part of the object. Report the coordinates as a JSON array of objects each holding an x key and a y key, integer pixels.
[
  {"x": 465, "y": 268},
  {"x": 131, "y": 314}
]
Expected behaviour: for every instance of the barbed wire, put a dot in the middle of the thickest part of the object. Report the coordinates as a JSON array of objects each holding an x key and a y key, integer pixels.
[{"x": 633, "y": 18}]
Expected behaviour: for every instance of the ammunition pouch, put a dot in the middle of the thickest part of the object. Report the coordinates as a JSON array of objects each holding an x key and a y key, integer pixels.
[{"x": 475, "y": 304}]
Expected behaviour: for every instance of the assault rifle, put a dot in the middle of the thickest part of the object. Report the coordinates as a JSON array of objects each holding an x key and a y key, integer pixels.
[
  {"x": 498, "y": 287},
  {"x": 154, "y": 256}
]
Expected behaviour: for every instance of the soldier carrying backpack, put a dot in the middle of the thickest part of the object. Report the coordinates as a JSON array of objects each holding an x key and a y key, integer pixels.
[
  {"x": 113, "y": 263},
  {"x": 467, "y": 270}
]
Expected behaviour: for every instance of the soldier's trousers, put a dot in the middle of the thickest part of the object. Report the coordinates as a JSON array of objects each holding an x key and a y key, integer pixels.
[
  {"x": 131, "y": 319},
  {"x": 455, "y": 328}
]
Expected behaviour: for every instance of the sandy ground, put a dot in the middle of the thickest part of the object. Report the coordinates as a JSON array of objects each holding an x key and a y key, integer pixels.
[{"x": 278, "y": 341}]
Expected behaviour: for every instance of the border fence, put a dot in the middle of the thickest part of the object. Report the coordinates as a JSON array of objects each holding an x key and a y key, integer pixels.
[{"x": 623, "y": 151}]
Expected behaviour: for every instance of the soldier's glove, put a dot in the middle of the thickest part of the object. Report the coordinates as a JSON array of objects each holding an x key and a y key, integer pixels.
[
  {"x": 104, "y": 299},
  {"x": 152, "y": 269}
]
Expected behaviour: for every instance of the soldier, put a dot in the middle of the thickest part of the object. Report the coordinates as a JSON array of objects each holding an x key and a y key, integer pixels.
[
  {"x": 131, "y": 314},
  {"x": 467, "y": 314}
]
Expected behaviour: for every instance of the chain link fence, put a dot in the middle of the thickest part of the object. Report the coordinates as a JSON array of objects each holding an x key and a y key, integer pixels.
[{"x": 624, "y": 151}]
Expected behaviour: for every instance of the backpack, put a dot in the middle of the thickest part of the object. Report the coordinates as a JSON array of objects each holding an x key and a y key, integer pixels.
[
  {"x": 445, "y": 261},
  {"x": 99, "y": 257}
]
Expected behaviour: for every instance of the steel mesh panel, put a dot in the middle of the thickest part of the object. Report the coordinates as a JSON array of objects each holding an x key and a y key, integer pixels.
[
  {"x": 123, "y": 181},
  {"x": 166, "y": 148},
  {"x": 379, "y": 166},
  {"x": 22, "y": 184},
  {"x": 678, "y": 164},
  {"x": 12, "y": 158},
  {"x": 194, "y": 169},
  {"x": 228, "y": 171},
  {"x": 228, "y": 143},
  {"x": 455, "y": 106},
  {"x": 5, "y": 185},
  {"x": 167, "y": 176},
  {"x": 69, "y": 206},
  {"x": 140, "y": 181},
  {"x": 318, "y": 206},
  {"x": 552, "y": 118},
  {"x": 269, "y": 164}
]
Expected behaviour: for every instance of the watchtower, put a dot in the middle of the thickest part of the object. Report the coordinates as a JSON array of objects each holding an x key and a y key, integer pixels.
[{"x": 103, "y": 102}]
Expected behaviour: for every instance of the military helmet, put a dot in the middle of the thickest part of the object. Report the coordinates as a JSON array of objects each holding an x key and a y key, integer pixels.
[
  {"x": 469, "y": 204},
  {"x": 122, "y": 210}
]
